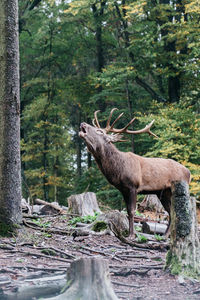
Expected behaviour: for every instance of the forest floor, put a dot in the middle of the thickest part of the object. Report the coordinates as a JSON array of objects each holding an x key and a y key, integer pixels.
[{"x": 136, "y": 273}]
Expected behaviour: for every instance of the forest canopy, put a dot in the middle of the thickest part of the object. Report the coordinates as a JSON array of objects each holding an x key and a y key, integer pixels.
[{"x": 142, "y": 57}]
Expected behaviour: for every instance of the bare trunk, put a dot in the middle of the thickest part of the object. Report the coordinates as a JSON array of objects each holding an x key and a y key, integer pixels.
[
  {"x": 130, "y": 107},
  {"x": 98, "y": 14},
  {"x": 78, "y": 147},
  {"x": 184, "y": 254},
  {"x": 10, "y": 169}
]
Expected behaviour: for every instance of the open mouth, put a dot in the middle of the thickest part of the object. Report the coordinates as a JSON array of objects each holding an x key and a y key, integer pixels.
[{"x": 83, "y": 132}]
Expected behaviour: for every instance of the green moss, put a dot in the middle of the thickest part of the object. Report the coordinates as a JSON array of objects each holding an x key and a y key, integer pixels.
[
  {"x": 173, "y": 263},
  {"x": 99, "y": 226},
  {"x": 7, "y": 230},
  {"x": 125, "y": 233},
  {"x": 175, "y": 267},
  {"x": 48, "y": 252}
]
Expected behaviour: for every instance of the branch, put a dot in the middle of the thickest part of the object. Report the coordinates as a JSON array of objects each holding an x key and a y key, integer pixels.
[{"x": 34, "y": 4}]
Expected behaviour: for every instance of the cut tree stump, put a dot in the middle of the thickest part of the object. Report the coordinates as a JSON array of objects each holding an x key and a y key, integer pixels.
[
  {"x": 104, "y": 224},
  {"x": 151, "y": 202},
  {"x": 184, "y": 254},
  {"x": 83, "y": 204},
  {"x": 88, "y": 279}
]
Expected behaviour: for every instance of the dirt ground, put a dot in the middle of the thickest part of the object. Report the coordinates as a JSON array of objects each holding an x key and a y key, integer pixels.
[{"x": 136, "y": 274}]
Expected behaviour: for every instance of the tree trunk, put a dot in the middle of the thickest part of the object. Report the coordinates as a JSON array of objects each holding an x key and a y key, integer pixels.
[
  {"x": 10, "y": 169},
  {"x": 184, "y": 253},
  {"x": 130, "y": 107},
  {"x": 98, "y": 15},
  {"x": 88, "y": 278},
  {"x": 78, "y": 146}
]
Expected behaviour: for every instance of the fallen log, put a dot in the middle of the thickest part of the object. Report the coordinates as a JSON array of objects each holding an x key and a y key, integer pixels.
[
  {"x": 154, "y": 228},
  {"x": 54, "y": 206}
]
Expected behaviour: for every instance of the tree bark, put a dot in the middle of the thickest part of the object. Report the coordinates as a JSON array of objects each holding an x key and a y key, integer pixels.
[
  {"x": 10, "y": 169},
  {"x": 184, "y": 254},
  {"x": 88, "y": 278}
]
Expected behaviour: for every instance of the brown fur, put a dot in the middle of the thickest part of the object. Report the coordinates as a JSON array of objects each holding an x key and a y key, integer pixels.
[{"x": 132, "y": 174}]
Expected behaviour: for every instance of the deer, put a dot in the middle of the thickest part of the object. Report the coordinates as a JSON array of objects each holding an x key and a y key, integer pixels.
[{"x": 130, "y": 173}]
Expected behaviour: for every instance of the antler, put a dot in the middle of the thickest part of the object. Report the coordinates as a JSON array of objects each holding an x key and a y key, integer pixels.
[
  {"x": 146, "y": 129},
  {"x": 110, "y": 128}
]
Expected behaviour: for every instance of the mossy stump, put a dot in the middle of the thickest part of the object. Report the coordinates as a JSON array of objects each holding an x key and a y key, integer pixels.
[
  {"x": 88, "y": 278},
  {"x": 184, "y": 254}
]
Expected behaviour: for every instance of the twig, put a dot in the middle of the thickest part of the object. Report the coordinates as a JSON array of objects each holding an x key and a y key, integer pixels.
[
  {"x": 53, "y": 231},
  {"x": 125, "y": 284},
  {"x": 41, "y": 255},
  {"x": 38, "y": 269},
  {"x": 56, "y": 250}
]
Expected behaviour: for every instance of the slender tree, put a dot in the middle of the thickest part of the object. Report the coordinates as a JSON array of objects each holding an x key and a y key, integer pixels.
[{"x": 10, "y": 171}]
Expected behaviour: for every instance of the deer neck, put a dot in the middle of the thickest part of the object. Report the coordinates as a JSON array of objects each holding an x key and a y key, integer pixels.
[{"x": 107, "y": 158}]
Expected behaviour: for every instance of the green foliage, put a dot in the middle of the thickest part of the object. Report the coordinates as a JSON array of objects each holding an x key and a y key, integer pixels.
[
  {"x": 141, "y": 238},
  {"x": 41, "y": 223},
  {"x": 158, "y": 237},
  {"x": 84, "y": 219},
  {"x": 61, "y": 46}
]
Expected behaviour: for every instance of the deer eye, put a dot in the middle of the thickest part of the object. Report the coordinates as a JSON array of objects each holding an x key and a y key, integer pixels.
[{"x": 100, "y": 132}]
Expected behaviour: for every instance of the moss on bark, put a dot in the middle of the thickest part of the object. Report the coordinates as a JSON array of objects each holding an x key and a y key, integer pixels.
[
  {"x": 184, "y": 254},
  {"x": 8, "y": 230}
]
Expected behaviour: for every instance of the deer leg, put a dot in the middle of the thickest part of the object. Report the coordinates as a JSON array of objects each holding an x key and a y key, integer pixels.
[
  {"x": 165, "y": 199},
  {"x": 130, "y": 200}
]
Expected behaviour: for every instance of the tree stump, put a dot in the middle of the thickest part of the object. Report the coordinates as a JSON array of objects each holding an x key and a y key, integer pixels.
[
  {"x": 83, "y": 204},
  {"x": 151, "y": 202},
  {"x": 88, "y": 278},
  {"x": 184, "y": 254}
]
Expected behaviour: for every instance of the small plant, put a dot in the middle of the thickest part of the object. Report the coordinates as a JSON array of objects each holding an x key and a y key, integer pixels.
[
  {"x": 158, "y": 237},
  {"x": 138, "y": 228},
  {"x": 141, "y": 238},
  {"x": 85, "y": 219},
  {"x": 39, "y": 223},
  {"x": 20, "y": 260},
  {"x": 138, "y": 214}
]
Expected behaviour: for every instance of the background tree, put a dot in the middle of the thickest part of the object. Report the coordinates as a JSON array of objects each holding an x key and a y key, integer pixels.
[{"x": 10, "y": 170}]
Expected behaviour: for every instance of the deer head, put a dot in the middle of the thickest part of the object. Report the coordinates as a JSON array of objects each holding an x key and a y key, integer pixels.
[{"x": 95, "y": 136}]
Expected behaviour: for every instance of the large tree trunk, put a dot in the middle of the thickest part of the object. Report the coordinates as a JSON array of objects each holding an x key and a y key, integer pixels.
[
  {"x": 184, "y": 253},
  {"x": 10, "y": 169}
]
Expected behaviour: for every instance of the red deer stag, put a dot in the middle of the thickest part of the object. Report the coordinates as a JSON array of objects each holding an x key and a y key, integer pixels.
[{"x": 130, "y": 173}]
